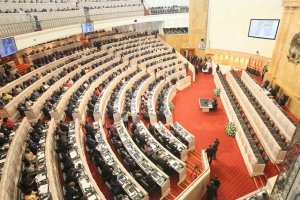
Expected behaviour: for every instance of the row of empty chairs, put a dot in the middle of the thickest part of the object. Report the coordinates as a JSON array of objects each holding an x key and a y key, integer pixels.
[
  {"x": 252, "y": 156},
  {"x": 284, "y": 122},
  {"x": 274, "y": 145}
]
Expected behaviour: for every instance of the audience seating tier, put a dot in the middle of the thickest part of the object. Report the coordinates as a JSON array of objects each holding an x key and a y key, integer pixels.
[
  {"x": 31, "y": 58},
  {"x": 286, "y": 126},
  {"x": 174, "y": 145},
  {"x": 13, "y": 162},
  {"x": 35, "y": 110},
  {"x": 252, "y": 158},
  {"x": 159, "y": 177},
  {"x": 51, "y": 163},
  {"x": 58, "y": 112},
  {"x": 10, "y": 109},
  {"x": 183, "y": 135},
  {"x": 100, "y": 108},
  {"x": 275, "y": 150},
  {"x": 129, "y": 184},
  {"x": 172, "y": 162}
]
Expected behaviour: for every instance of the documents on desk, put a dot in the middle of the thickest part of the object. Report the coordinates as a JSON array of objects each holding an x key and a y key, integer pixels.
[
  {"x": 73, "y": 154},
  {"x": 41, "y": 177}
]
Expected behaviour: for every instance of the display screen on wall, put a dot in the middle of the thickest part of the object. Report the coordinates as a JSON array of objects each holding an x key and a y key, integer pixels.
[
  {"x": 87, "y": 27},
  {"x": 7, "y": 46},
  {"x": 263, "y": 28}
]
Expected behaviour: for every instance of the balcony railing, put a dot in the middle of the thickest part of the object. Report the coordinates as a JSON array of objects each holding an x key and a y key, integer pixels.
[{"x": 28, "y": 24}]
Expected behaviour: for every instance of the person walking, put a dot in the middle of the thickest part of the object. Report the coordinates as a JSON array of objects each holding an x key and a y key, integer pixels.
[
  {"x": 215, "y": 148},
  {"x": 209, "y": 151},
  {"x": 217, "y": 182},
  {"x": 211, "y": 191}
]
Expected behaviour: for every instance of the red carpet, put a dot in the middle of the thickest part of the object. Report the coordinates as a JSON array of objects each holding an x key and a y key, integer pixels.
[{"x": 229, "y": 166}]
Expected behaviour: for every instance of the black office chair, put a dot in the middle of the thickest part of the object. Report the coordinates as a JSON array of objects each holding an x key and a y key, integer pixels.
[
  {"x": 276, "y": 90},
  {"x": 265, "y": 84},
  {"x": 283, "y": 99}
]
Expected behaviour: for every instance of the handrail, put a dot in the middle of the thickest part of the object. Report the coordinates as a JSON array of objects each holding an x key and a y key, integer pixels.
[{"x": 30, "y": 26}]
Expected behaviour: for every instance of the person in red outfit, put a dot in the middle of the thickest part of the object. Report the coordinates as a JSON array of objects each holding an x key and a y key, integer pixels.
[{"x": 9, "y": 124}]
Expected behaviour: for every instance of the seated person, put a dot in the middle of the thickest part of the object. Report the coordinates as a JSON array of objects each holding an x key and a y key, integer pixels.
[
  {"x": 6, "y": 97},
  {"x": 115, "y": 185},
  {"x": 9, "y": 124},
  {"x": 270, "y": 91},
  {"x": 3, "y": 140},
  {"x": 73, "y": 192},
  {"x": 214, "y": 105},
  {"x": 30, "y": 157}
]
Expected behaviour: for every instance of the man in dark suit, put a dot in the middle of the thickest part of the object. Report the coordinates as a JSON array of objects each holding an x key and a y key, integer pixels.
[
  {"x": 209, "y": 151},
  {"x": 211, "y": 191},
  {"x": 215, "y": 148}
]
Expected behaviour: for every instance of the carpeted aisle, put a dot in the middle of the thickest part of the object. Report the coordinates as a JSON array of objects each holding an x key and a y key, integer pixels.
[{"x": 229, "y": 166}]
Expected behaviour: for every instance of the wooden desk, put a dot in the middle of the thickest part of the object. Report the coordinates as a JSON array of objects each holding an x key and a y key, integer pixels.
[{"x": 205, "y": 104}]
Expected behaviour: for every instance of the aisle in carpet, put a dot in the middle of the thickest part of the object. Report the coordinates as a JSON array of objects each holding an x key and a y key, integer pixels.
[{"x": 229, "y": 166}]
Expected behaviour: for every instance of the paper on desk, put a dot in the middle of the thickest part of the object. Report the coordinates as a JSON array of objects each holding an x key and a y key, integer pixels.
[
  {"x": 73, "y": 154},
  {"x": 44, "y": 189},
  {"x": 40, "y": 177}
]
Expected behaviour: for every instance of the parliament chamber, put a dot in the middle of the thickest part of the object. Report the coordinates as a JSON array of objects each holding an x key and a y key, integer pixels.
[{"x": 100, "y": 99}]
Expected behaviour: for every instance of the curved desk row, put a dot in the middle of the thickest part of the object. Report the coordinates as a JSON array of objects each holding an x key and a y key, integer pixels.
[
  {"x": 105, "y": 97},
  {"x": 13, "y": 162},
  {"x": 111, "y": 47},
  {"x": 177, "y": 165},
  {"x": 120, "y": 101},
  {"x": 172, "y": 141},
  {"x": 136, "y": 98},
  {"x": 31, "y": 58},
  {"x": 161, "y": 179},
  {"x": 86, "y": 181},
  {"x": 135, "y": 44},
  {"x": 10, "y": 109},
  {"x": 129, "y": 184},
  {"x": 58, "y": 113},
  {"x": 35, "y": 110},
  {"x": 152, "y": 99},
  {"x": 183, "y": 135},
  {"x": 56, "y": 64},
  {"x": 114, "y": 36}
]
